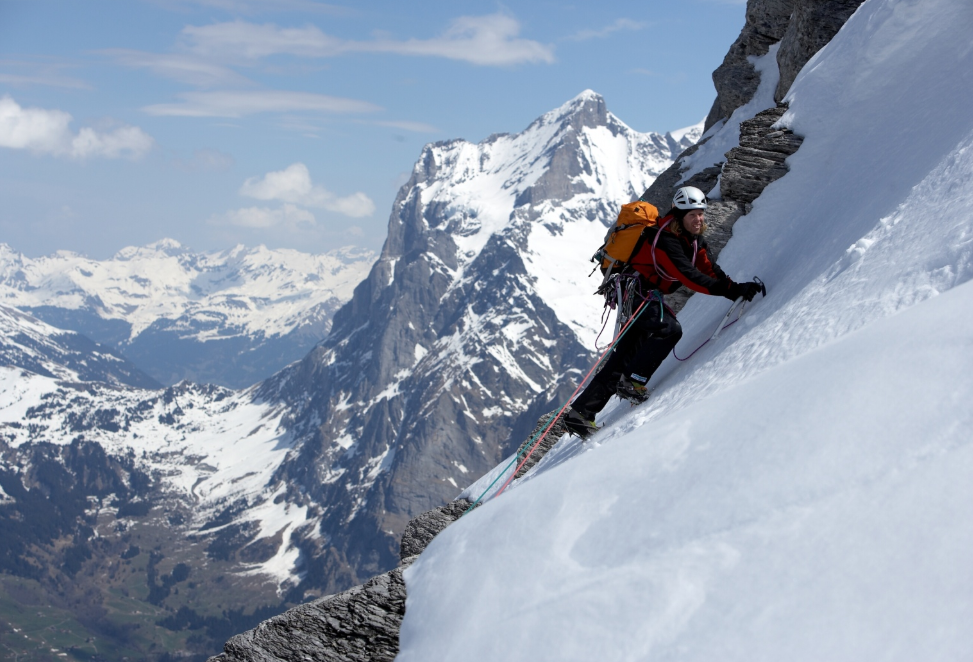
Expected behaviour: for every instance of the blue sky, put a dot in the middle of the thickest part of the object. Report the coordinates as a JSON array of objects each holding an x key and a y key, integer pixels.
[{"x": 292, "y": 123}]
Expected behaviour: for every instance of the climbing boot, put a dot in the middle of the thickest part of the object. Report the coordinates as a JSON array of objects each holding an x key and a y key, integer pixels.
[
  {"x": 579, "y": 425},
  {"x": 631, "y": 390}
]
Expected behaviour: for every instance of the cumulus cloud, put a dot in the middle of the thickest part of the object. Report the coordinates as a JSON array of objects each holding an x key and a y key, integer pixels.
[
  {"x": 293, "y": 185},
  {"x": 48, "y": 132},
  {"x": 241, "y": 103},
  {"x": 490, "y": 40}
]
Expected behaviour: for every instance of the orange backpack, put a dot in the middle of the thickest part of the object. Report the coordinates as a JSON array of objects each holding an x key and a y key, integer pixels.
[{"x": 623, "y": 237}]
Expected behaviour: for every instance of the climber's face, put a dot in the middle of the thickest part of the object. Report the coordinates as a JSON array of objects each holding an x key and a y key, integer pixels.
[{"x": 693, "y": 220}]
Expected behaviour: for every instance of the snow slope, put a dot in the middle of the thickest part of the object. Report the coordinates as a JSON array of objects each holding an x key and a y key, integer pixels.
[{"x": 800, "y": 489}]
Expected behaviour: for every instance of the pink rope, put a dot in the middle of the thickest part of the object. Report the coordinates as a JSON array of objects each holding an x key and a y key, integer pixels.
[{"x": 561, "y": 411}]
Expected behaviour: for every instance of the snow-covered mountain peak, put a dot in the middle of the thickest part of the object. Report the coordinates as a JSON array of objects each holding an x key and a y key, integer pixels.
[{"x": 552, "y": 188}]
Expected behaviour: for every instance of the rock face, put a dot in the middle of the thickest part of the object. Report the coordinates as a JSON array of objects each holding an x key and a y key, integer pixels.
[
  {"x": 420, "y": 530},
  {"x": 736, "y": 80},
  {"x": 359, "y": 625},
  {"x": 759, "y": 160},
  {"x": 811, "y": 27},
  {"x": 803, "y": 27}
]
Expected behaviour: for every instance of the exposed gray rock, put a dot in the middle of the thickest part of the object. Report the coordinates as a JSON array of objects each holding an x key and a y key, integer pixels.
[
  {"x": 421, "y": 529},
  {"x": 811, "y": 27},
  {"x": 736, "y": 80},
  {"x": 547, "y": 443},
  {"x": 359, "y": 625},
  {"x": 759, "y": 160}
]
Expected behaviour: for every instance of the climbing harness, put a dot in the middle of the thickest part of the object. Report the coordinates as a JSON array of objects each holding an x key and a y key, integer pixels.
[{"x": 553, "y": 419}]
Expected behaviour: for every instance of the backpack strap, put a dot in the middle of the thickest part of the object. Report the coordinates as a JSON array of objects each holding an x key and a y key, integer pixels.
[{"x": 655, "y": 263}]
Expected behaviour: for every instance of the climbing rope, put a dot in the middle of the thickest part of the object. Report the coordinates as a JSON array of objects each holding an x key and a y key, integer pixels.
[
  {"x": 553, "y": 419},
  {"x": 720, "y": 327}
]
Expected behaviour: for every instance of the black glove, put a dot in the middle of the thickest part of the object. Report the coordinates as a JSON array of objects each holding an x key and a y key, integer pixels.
[
  {"x": 746, "y": 290},
  {"x": 749, "y": 290}
]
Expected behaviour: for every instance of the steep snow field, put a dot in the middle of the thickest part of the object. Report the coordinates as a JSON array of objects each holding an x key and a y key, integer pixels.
[{"x": 800, "y": 489}]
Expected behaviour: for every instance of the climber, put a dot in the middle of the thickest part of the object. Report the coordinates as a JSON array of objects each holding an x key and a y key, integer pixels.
[{"x": 673, "y": 253}]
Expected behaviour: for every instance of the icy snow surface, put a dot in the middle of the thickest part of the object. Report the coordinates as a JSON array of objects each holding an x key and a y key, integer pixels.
[{"x": 799, "y": 490}]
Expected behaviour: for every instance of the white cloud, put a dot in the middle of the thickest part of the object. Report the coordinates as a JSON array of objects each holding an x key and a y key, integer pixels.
[
  {"x": 293, "y": 185},
  {"x": 240, "y": 39},
  {"x": 190, "y": 69},
  {"x": 483, "y": 40},
  {"x": 241, "y": 103},
  {"x": 48, "y": 132},
  {"x": 618, "y": 25},
  {"x": 288, "y": 216}
]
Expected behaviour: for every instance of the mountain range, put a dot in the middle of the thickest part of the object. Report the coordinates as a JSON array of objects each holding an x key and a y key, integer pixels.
[
  {"x": 204, "y": 509},
  {"x": 230, "y": 317}
]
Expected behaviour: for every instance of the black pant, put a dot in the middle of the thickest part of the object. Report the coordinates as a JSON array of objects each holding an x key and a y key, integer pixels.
[{"x": 637, "y": 355}]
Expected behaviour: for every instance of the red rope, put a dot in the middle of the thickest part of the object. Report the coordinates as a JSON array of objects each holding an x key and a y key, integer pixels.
[
  {"x": 704, "y": 343},
  {"x": 568, "y": 402}
]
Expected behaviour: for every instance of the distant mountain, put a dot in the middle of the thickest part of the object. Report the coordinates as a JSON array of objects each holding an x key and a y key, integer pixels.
[
  {"x": 477, "y": 316},
  {"x": 232, "y": 317},
  {"x": 196, "y": 511},
  {"x": 32, "y": 345},
  {"x": 121, "y": 505}
]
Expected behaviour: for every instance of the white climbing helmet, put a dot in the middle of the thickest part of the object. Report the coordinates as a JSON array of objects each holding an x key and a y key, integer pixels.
[{"x": 689, "y": 197}]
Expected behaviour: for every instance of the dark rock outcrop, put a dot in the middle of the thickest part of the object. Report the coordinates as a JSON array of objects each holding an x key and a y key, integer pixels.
[
  {"x": 736, "y": 80},
  {"x": 358, "y": 625},
  {"x": 421, "y": 529},
  {"x": 759, "y": 160},
  {"x": 811, "y": 27}
]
